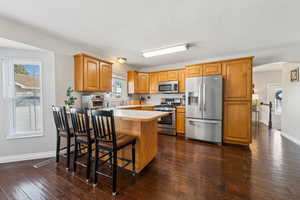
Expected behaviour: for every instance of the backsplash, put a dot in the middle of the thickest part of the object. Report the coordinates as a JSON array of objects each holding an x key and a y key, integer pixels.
[{"x": 154, "y": 99}]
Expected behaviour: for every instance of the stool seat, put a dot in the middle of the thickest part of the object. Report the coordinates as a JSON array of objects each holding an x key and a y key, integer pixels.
[{"x": 121, "y": 140}]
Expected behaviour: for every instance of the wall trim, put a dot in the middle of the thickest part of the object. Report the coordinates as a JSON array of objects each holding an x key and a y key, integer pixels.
[
  {"x": 293, "y": 139},
  {"x": 28, "y": 156}
]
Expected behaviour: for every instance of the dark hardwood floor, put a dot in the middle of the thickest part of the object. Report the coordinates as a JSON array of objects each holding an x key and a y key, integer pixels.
[{"x": 268, "y": 169}]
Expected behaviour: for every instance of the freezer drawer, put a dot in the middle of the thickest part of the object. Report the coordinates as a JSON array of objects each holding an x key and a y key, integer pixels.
[{"x": 206, "y": 130}]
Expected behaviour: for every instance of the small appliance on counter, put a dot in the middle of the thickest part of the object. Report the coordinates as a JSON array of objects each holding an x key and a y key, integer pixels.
[{"x": 92, "y": 101}]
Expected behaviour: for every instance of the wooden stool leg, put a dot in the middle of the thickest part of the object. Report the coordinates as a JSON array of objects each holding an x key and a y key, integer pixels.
[
  {"x": 57, "y": 148},
  {"x": 68, "y": 152},
  {"x": 75, "y": 157},
  {"x": 115, "y": 175},
  {"x": 88, "y": 168},
  {"x": 133, "y": 158},
  {"x": 96, "y": 166}
]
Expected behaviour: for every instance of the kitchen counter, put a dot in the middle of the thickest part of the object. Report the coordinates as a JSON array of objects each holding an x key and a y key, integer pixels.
[
  {"x": 138, "y": 115},
  {"x": 143, "y": 125}
]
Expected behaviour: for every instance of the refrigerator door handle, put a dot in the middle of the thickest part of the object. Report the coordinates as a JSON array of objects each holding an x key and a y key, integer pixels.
[
  {"x": 204, "y": 121},
  {"x": 204, "y": 97},
  {"x": 199, "y": 99}
]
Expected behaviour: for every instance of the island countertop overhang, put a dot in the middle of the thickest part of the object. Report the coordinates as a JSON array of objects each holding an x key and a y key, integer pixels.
[{"x": 139, "y": 115}]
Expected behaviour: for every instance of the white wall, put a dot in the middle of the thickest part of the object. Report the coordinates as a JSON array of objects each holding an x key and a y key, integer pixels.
[
  {"x": 13, "y": 147},
  {"x": 261, "y": 80},
  {"x": 291, "y": 108},
  {"x": 60, "y": 76}
]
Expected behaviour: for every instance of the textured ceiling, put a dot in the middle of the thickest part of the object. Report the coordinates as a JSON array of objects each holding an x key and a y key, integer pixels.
[{"x": 124, "y": 28}]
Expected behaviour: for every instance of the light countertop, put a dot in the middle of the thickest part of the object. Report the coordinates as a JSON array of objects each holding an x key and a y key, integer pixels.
[{"x": 139, "y": 115}]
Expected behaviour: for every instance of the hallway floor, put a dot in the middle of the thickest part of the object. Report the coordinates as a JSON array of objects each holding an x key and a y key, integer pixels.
[{"x": 183, "y": 169}]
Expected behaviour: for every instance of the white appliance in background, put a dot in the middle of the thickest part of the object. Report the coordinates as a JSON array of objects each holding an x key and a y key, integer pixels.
[
  {"x": 169, "y": 87},
  {"x": 204, "y": 100}
]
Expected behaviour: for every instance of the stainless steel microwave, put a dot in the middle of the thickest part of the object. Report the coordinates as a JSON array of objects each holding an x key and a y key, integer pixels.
[{"x": 168, "y": 87}]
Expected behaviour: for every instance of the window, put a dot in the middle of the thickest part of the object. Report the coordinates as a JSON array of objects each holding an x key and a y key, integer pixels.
[
  {"x": 23, "y": 98},
  {"x": 118, "y": 87}
]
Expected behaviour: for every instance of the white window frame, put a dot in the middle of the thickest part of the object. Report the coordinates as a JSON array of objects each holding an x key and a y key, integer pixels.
[
  {"x": 125, "y": 88},
  {"x": 9, "y": 92}
]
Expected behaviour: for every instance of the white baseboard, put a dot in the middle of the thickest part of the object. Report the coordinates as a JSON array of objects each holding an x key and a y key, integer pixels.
[
  {"x": 293, "y": 139},
  {"x": 29, "y": 156}
]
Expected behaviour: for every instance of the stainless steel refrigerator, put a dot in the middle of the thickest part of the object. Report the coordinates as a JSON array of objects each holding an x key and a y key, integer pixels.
[{"x": 204, "y": 100}]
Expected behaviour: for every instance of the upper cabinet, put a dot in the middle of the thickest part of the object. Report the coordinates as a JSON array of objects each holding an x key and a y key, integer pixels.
[
  {"x": 163, "y": 76},
  {"x": 143, "y": 83},
  {"x": 238, "y": 79},
  {"x": 172, "y": 75},
  {"x": 132, "y": 81},
  {"x": 212, "y": 69},
  {"x": 92, "y": 74},
  {"x": 194, "y": 70},
  {"x": 181, "y": 80},
  {"x": 138, "y": 82},
  {"x": 154, "y": 82},
  {"x": 105, "y": 77}
]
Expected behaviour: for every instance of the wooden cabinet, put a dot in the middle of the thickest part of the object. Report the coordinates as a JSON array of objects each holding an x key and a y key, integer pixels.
[
  {"x": 238, "y": 79},
  {"x": 149, "y": 108},
  {"x": 181, "y": 80},
  {"x": 180, "y": 120},
  {"x": 163, "y": 76},
  {"x": 138, "y": 82},
  {"x": 105, "y": 77},
  {"x": 143, "y": 83},
  {"x": 172, "y": 75},
  {"x": 194, "y": 70},
  {"x": 212, "y": 69},
  {"x": 154, "y": 82},
  {"x": 132, "y": 82},
  {"x": 237, "y": 122},
  {"x": 92, "y": 74}
]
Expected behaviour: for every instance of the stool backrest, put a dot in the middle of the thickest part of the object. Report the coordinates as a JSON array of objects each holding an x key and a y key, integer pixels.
[
  {"x": 61, "y": 120},
  {"x": 80, "y": 122},
  {"x": 104, "y": 126}
]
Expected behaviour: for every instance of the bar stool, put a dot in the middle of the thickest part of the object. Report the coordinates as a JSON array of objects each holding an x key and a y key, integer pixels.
[
  {"x": 107, "y": 141},
  {"x": 62, "y": 130},
  {"x": 83, "y": 135}
]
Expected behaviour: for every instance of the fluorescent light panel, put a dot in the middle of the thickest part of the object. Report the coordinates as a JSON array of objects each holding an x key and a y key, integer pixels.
[{"x": 164, "y": 51}]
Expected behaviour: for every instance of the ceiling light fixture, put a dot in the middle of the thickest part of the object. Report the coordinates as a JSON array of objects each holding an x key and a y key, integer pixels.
[
  {"x": 167, "y": 50},
  {"x": 122, "y": 60}
]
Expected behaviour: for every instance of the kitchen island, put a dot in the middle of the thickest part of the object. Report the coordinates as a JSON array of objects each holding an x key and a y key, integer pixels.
[{"x": 143, "y": 125}]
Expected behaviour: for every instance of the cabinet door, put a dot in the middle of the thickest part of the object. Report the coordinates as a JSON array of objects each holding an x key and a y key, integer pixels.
[
  {"x": 153, "y": 83},
  {"x": 163, "y": 76},
  {"x": 212, "y": 69},
  {"x": 143, "y": 83},
  {"x": 132, "y": 81},
  {"x": 237, "y": 79},
  {"x": 181, "y": 78},
  {"x": 91, "y": 79},
  {"x": 180, "y": 123},
  {"x": 194, "y": 70},
  {"x": 172, "y": 75},
  {"x": 105, "y": 77},
  {"x": 237, "y": 122}
]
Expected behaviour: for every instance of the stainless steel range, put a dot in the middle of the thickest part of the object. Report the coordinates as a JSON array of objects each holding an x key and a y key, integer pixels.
[{"x": 167, "y": 125}]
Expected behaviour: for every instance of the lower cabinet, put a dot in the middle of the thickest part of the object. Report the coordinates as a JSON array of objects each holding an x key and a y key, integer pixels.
[
  {"x": 237, "y": 122},
  {"x": 180, "y": 120}
]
